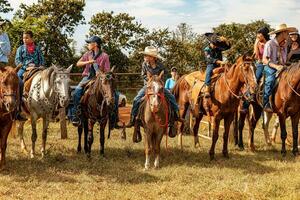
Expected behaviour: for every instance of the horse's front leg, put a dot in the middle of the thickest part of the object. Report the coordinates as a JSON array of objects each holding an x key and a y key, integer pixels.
[
  {"x": 157, "y": 142},
  {"x": 79, "y": 131},
  {"x": 182, "y": 113},
  {"x": 295, "y": 122},
  {"x": 282, "y": 120},
  {"x": 252, "y": 124},
  {"x": 227, "y": 122},
  {"x": 196, "y": 129},
  {"x": 20, "y": 128},
  {"x": 216, "y": 123},
  {"x": 148, "y": 148},
  {"x": 86, "y": 131},
  {"x": 90, "y": 138},
  {"x": 44, "y": 135},
  {"x": 33, "y": 136},
  {"x": 274, "y": 131},
  {"x": 266, "y": 121},
  {"x": 102, "y": 136},
  {"x": 241, "y": 124}
]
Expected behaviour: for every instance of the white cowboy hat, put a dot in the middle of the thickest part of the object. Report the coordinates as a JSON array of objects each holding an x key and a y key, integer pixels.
[
  {"x": 281, "y": 28},
  {"x": 151, "y": 51}
]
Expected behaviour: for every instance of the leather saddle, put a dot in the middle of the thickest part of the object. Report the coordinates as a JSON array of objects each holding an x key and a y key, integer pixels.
[{"x": 28, "y": 76}]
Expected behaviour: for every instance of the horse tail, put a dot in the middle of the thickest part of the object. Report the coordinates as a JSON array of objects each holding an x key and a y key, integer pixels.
[{"x": 176, "y": 88}]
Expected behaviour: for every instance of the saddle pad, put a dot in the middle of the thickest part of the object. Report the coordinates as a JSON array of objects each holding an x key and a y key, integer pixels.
[
  {"x": 195, "y": 92},
  {"x": 199, "y": 75}
]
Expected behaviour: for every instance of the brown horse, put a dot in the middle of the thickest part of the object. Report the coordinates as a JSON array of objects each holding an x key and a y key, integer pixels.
[
  {"x": 9, "y": 95},
  {"x": 154, "y": 116},
  {"x": 225, "y": 99},
  {"x": 286, "y": 104},
  {"x": 96, "y": 104}
]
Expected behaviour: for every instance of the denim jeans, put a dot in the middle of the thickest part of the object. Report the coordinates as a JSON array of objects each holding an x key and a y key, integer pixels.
[
  {"x": 137, "y": 100},
  {"x": 269, "y": 83},
  {"x": 259, "y": 71},
  {"x": 208, "y": 73},
  {"x": 21, "y": 83}
]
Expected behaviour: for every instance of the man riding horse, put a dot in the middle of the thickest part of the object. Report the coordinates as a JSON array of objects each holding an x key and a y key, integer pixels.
[
  {"x": 153, "y": 66},
  {"x": 29, "y": 55},
  {"x": 274, "y": 59},
  {"x": 5, "y": 47}
]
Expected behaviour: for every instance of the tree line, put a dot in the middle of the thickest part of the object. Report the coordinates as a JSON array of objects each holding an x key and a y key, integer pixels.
[{"x": 53, "y": 23}]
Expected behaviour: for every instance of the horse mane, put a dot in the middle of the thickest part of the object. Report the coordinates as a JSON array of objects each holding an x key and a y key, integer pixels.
[
  {"x": 176, "y": 89},
  {"x": 8, "y": 70},
  {"x": 47, "y": 77}
]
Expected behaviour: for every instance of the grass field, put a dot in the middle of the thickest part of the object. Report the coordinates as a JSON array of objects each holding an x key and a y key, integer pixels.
[{"x": 186, "y": 174}]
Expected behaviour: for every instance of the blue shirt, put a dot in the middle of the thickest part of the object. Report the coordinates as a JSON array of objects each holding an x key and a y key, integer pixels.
[
  {"x": 24, "y": 58},
  {"x": 146, "y": 68},
  {"x": 170, "y": 83},
  {"x": 4, "y": 47}
]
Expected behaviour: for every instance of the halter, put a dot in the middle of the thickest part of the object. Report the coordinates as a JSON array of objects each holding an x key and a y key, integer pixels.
[{"x": 246, "y": 81}]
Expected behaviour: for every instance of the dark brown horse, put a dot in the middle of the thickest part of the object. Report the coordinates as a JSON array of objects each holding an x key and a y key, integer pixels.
[
  {"x": 225, "y": 99},
  {"x": 155, "y": 117},
  {"x": 96, "y": 104},
  {"x": 9, "y": 95},
  {"x": 285, "y": 103}
]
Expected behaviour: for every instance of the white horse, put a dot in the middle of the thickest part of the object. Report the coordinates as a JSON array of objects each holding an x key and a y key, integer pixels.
[{"x": 49, "y": 89}]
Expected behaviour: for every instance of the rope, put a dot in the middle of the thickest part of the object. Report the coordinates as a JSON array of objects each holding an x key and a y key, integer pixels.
[{"x": 289, "y": 84}]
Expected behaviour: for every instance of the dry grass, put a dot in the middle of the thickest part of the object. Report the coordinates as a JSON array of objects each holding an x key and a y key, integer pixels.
[{"x": 186, "y": 174}]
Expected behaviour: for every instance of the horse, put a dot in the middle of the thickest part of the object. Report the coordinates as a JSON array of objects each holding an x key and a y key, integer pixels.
[
  {"x": 96, "y": 103},
  {"x": 155, "y": 117},
  {"x": 285, "y": 103},
  {"x": 225, "y": 99},
  {"x": 48, "y": 91},
  {"x": 9, "y": 95}
]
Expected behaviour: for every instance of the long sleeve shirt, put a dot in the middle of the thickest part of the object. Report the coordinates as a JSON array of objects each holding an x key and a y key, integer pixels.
[
  {"x": 153, "y": 71},
  {"x": 5, "y": 47},
  {"x": 212, "y": 55},
  {"x": 24, "y": 58}
]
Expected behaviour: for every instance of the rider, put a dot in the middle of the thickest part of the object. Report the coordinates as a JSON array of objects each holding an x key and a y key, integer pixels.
[
  {"x": 213, "y": 57},
  {"x": 294, "y": 47},
  {"x": 170, "y": 83},
  {"x": 28, "y": 55},
  {"x": 93, "y": 61},
  {"x": 4, "y": 45},
  {"x": 153, "y": 66},
  {"x": 274, "y": 58}
]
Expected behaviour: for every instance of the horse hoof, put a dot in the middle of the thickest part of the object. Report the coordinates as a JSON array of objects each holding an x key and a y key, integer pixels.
[
  {"x": 252, "y": 148},
  {"x": 197, "y": 145},
  {"x": 25, "y": 151},
  {"x": 212, "y": 157},
  {"x": 295, "y": 153},
  {"x": 156, "y": 167},
  {"x": 226, "y": 155},
  {"x": 283, "y": 153},
  {"x": 31, "y": 156},
  {"x": 146, "y": 169},
  {"x": 88, "y": 155}
]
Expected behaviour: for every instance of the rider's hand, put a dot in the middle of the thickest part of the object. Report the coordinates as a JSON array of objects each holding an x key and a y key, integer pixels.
[
  {"x": 280, "y": 67},
  {"x": 91, "y": 61}
]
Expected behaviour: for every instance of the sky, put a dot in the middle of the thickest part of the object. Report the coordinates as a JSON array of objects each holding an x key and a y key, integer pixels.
[{"x": 202, "y": 15}]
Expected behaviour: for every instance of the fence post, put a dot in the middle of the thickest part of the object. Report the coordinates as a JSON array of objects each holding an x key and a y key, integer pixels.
[{"x": 63, "y": 123}]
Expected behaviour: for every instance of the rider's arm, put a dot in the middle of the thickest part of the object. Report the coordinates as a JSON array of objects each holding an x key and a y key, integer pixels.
[
  {"x": 83, "y": 61},
  {"x": 19, "y": 58},
  {"x": 5, "y": 45},
  {"x": 209, "y": 57}
]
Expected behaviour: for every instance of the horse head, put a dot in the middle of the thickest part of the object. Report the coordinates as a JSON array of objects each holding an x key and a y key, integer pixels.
[
  {"x": 107, "y": 81},
  {"x": 247, "y": 75},
  {"x": 9, "y": 84},
  {"x": 155, "y": 91}
]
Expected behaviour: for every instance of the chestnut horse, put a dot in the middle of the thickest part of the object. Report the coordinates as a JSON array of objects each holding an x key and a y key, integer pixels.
[
  {"x": 155, "y": 117},
  {"x": 96, "y": 104},
  {"x": 225, "y": 99},
  {"x": 285, "y": 103},
  {"x": 9, "y": 95}
]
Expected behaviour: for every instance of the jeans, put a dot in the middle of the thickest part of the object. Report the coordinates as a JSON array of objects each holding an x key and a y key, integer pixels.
[
  {"x": 259, "y": 71},
  {"x": 21, "y": 83},
  {"x": 141, "y": 94},
  {"x": 269, "y": 83},
  {"x": 208, "y": 73}
]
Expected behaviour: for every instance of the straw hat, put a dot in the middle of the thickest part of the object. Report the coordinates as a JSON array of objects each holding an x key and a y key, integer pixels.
[
  {"x": 281, "y": 28},
  {"x": 294, "y": 32},
  {"x": 151, "y": 51}
]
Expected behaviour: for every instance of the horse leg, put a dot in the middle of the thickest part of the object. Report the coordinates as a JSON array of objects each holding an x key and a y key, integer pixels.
[
  {"x": 295, "y": 122},
  {"x": 252, "y": 124},
  {"x": 182, "y": 113},
  {"x": 102, "y": 136},
  {"x": 20, "y": 127},
  {"x": 44, "y": 135},
  {"x": 85, "y": 140},
  {"x": 282, "y": 119},
  {"x": 33, "y": 136},
  {"x": 216, "y": 123},
  {"x": 157, "y": 149},
  {"x": 196, "y": 129},
  {"x": 274, "y": 131},
  {"x": 148, "y": 149},
  {"x": 90, "y": 138},
  {"x": 3, "y": 144},
  {"x": 266, "y": 121},
  {"x": 79, "y": 131},
  {"x": 227, "y": 122},
  {"x": 241, "y": 125}
]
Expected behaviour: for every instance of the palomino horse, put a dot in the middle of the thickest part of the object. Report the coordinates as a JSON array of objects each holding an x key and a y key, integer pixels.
[
  {"x": 49, "y": 89},
  {"x": 155, "y": 117},
  {"x": 96, "y": 104},
  {"x": 9, "y": 94},
  {"x": 286, "y": 104},
  {"x": 225, "y": 99}
]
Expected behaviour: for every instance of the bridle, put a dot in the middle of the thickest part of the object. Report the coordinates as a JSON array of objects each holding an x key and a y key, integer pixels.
[
  {"x": 3, "y": 94},
  {"x": 246, "y": 81}
]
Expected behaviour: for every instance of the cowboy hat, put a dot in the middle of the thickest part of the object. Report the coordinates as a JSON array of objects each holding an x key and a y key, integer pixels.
[
  {"x": 151, "y": 51},
  {"x": 281, "y": 28},
  {"x": 220, "y": 41},
  {"x": 295, "y": 32}
]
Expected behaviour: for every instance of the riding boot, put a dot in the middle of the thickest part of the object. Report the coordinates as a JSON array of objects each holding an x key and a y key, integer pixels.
[
  {"x": 131, "y": 122},
  {"x": 137, "y": 136}
]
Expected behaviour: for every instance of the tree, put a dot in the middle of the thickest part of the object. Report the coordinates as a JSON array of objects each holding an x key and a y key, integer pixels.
[
  {"x": 241, "y": 37},
  {"x": 59, "y": 19},
  {"x": 121, "y": 34},
  {"x": 5, "y": 7}
]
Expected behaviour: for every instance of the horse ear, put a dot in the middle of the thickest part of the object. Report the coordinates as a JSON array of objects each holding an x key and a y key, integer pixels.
[
  {"x": 112, "y": 69},
  {"x": 161, "y": 75},
  {"x": 69, "y": 68}
]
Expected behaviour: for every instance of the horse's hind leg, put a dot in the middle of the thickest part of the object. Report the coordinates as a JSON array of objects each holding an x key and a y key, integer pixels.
[
  {"x": 85, "y": 140},
  {"x": 20, "y": 128},
  {"x": 241, "y": 125},
  {"x": 102, "y": 136},
  {"x": 216, "y": 123},
  {"x": 227, "y": 122},
  {"x": 267, "y": 118},
  {"x": 195, "y": 131},
  {"x": 79, "y": 131},
  {"x": 33, "y": 136},
  {"x": 252, "y": 124},
  {"x": 274, "y": 131},
  {"x": 282, "y": 120},
  {"x": 44, "y": 135},
  {"x": 295, "y": 122},
  {"x": 182, "y": 112},
  {"x": 90, "y": 138}
]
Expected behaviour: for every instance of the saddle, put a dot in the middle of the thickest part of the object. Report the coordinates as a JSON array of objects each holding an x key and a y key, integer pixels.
[
  {"x": 196, "y": 82},
  {"x": 28, "y": 77}
]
